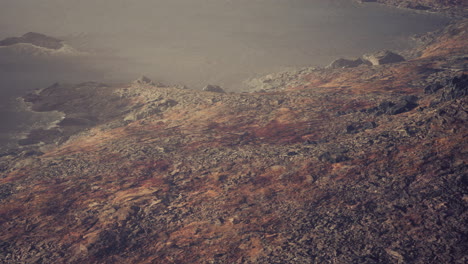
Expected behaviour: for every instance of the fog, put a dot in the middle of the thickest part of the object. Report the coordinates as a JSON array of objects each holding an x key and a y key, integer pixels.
[{"x": 194, "y": 42}]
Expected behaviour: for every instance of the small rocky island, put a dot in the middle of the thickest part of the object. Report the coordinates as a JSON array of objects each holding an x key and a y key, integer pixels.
[{"x": 36, "y": 39}]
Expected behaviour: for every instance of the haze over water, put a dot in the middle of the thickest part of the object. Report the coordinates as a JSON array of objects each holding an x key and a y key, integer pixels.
[{"x": 193, "y": 42}]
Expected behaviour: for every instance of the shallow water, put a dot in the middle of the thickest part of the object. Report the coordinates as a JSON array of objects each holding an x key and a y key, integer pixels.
[{"x": 195, "y": 42}]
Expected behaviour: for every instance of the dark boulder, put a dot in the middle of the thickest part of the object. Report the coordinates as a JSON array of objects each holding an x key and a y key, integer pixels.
[
  {"x": 335, "y": 157},
  {"x": 456, "y": 87},
  {"x": 213, "y": 88}
]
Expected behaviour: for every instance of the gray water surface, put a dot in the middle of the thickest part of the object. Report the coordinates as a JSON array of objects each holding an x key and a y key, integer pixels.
[{"x": 192, "y": 42}]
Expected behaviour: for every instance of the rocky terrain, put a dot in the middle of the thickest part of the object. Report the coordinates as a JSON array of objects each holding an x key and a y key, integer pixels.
[
  {"x": 362, "y": 164},
  {"x": 452, "y": 7}
]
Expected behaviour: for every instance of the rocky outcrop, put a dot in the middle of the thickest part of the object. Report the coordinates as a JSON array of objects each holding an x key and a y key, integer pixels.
[
  {"x": 379, "y": 58},
  {"x": 35, "y": 39},
  {"x": 452, "y": 88},
  {"x": 347, "y": 63},
  {"x": 383, "y": 57}
]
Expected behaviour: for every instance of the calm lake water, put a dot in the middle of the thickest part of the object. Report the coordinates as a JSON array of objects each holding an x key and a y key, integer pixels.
[{"x": 191, "y": 42}]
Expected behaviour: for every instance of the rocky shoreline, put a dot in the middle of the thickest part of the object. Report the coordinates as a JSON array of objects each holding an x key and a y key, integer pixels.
[{"x": 360, "y": 164}]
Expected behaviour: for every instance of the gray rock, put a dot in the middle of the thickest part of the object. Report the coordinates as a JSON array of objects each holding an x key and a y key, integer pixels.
[
  {"x": 143, "y": 80},
  {"x": 347, "y": 63},
  {"x": 457, "y": 87},
  {"x": 383, "y": 57},
  {"x": 213, "y": 88}
]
